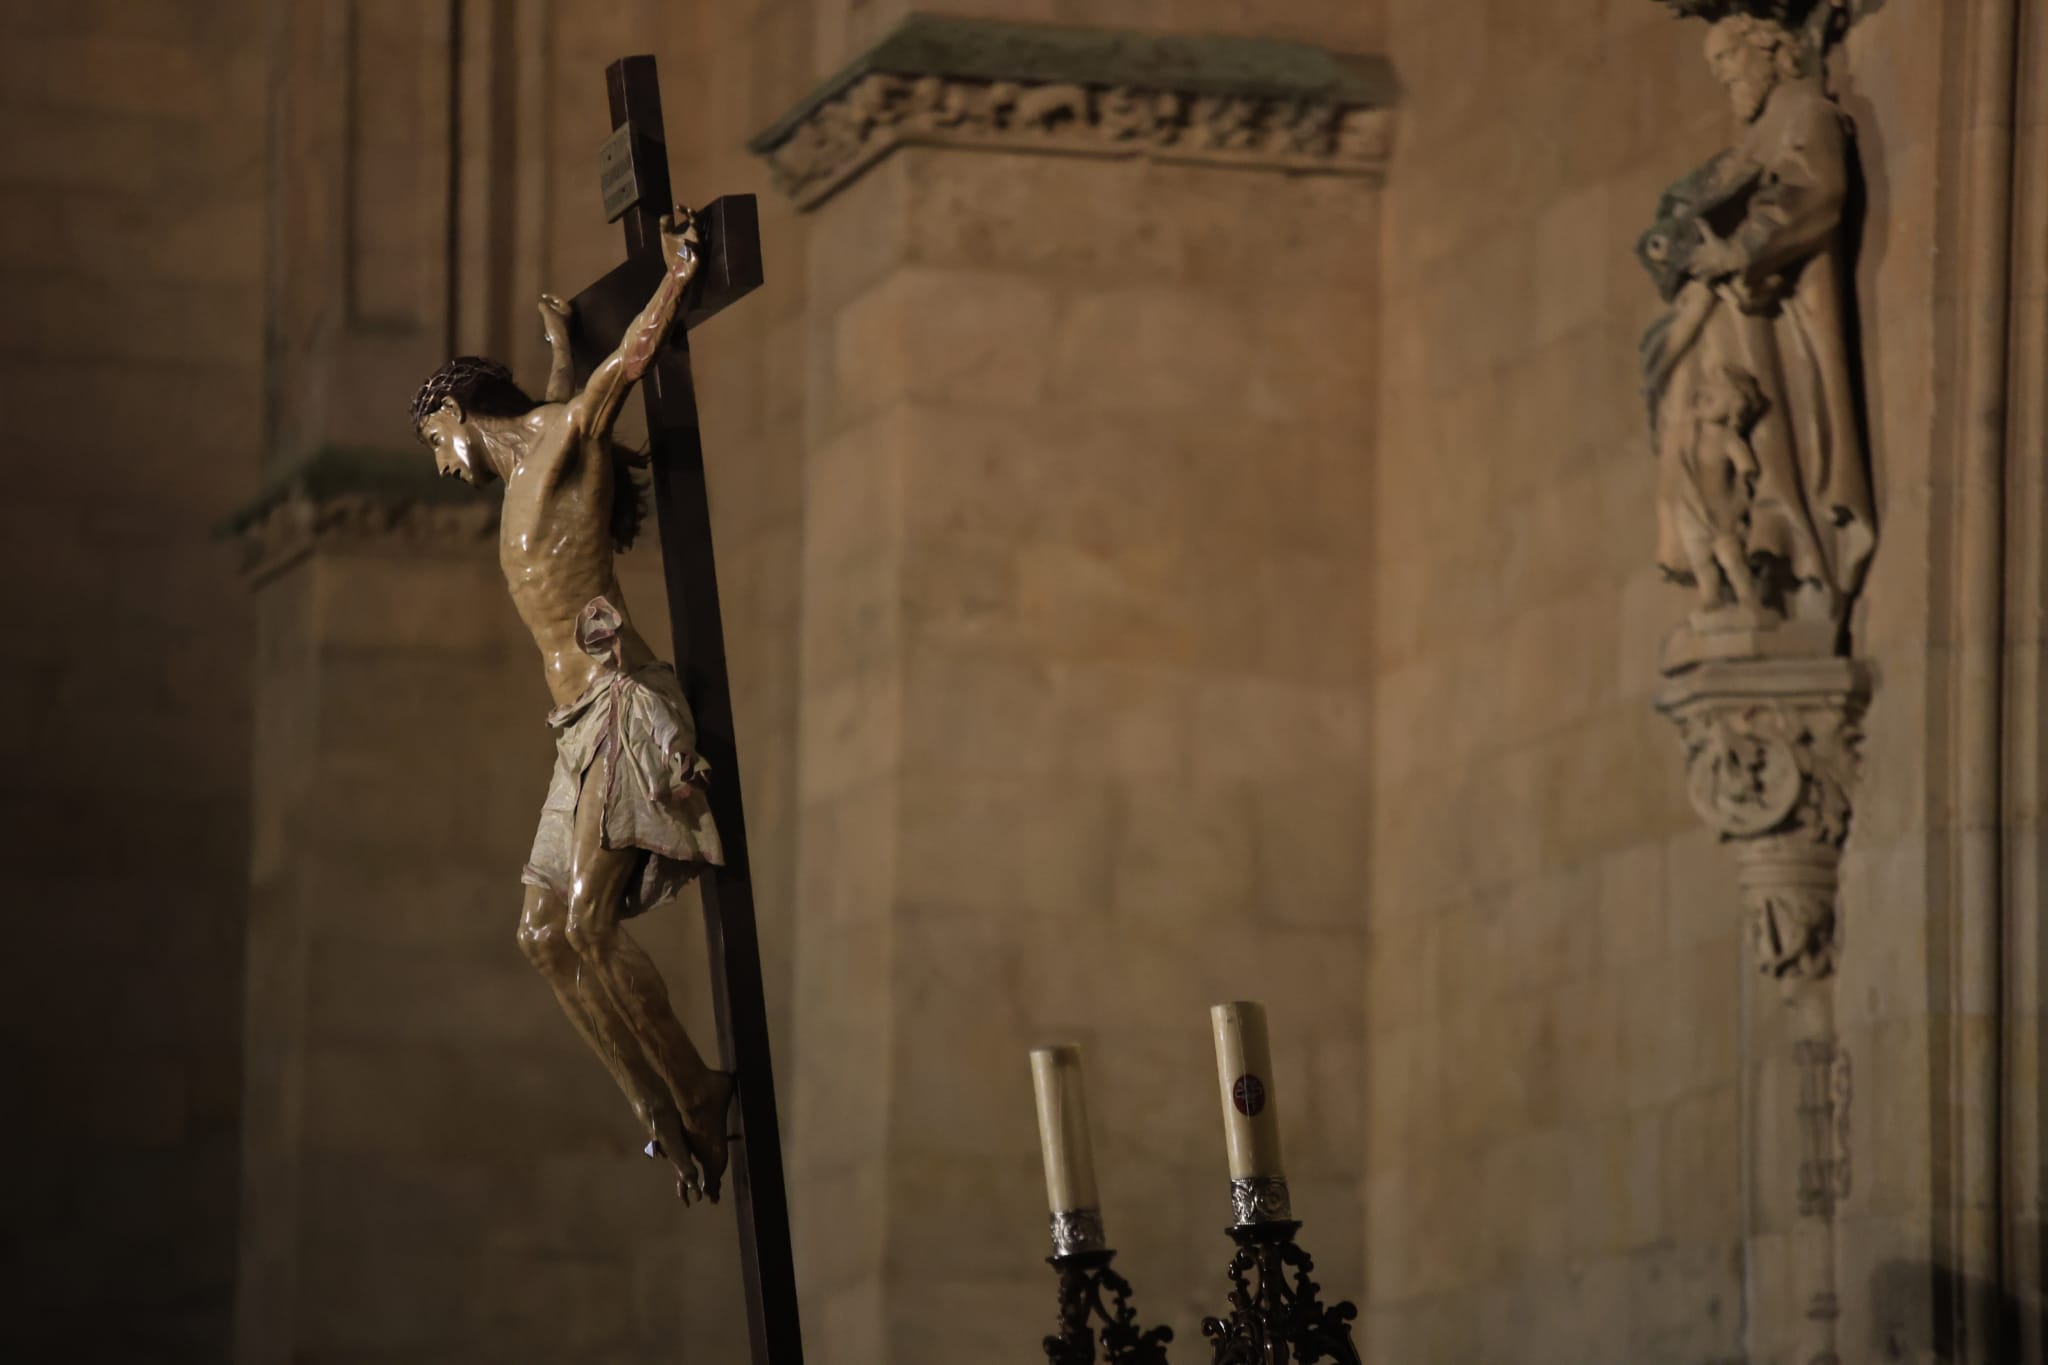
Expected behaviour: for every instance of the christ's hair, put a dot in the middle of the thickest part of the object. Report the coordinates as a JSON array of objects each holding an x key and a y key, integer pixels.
[
  {"x": 480, "y": 387},
  {"x": 484, "y": 388}
]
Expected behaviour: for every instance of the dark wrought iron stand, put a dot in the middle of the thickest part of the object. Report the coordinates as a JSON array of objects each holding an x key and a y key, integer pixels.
[
  {"x": 1273, "y": 1322},
  {"x": 1091, "y": 1291}
]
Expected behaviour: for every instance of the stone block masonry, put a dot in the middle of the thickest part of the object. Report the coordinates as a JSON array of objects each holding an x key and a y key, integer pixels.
[{"x": 1084, "y": 660}]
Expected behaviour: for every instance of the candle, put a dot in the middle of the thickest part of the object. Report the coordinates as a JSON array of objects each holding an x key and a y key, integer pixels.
[
  {"x": 1244, "y": 1065},
  {"x": 1063, "y": 1129}
]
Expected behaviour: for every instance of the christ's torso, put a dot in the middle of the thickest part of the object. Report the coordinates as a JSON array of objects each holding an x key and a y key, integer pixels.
[{"x": 555, "y": 546}]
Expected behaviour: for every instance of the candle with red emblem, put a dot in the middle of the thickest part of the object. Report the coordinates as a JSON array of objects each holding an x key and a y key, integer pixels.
[{"x": 1244, "y": 1066}]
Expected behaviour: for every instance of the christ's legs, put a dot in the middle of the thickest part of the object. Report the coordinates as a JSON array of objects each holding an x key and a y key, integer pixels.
[
  {"x": 635, "y": 989},
  {"x": 544, "y": 939}
]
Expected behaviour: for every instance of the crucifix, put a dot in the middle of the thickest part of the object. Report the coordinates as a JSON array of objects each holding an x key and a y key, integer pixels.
[
  {"x": 635, "y": 184},
  {"x": 645, "y": 795},
  {"x": 646, "y": 786}
]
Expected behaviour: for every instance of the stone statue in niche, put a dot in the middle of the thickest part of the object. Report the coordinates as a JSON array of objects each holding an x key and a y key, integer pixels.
[
  {"x": 1764, "y": 505},
  {"x": 625, "y": 822},
  {"x": 1764, "y": 508}
]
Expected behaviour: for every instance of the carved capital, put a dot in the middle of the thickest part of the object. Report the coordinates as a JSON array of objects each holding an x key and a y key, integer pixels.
[
  {"x": 946, "y": 82},
  {"x": 1770, "y": 755},
  {"x": 359, "y": 500}
]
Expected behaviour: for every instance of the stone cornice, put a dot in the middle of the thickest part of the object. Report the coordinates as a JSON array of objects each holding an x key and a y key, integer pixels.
[
  {"x": 359, "y": 499},
  {"x": 948, "y": 82}
]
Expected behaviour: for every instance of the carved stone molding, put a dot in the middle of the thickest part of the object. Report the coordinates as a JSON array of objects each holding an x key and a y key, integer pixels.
[
  {"x": 361, "y": 501},
  {"x": 1824, "y": 1091},
  {"x": 941, "y": 82},
  {"x": 1770, "y": 753}
]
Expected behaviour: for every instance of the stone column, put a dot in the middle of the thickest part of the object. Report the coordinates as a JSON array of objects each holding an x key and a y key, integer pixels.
[
  {"x": 1770, "y": 750},
  {"x": 1084, "y": 648}
]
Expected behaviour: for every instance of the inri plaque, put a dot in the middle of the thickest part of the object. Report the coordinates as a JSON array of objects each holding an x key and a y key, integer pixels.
[{"x": 615, "y": 174}]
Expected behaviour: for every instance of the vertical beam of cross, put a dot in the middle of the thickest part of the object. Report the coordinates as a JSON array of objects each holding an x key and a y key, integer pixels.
[{"x": 731, "y": 265}]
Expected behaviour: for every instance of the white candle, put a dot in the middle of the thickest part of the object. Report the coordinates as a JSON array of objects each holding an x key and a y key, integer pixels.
[
  {"x": 1244, "y": 1066},
  {"x": 1063, "y": 1128}
]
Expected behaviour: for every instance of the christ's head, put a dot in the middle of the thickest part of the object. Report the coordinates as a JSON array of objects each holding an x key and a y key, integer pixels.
[
  {"x": 1749, "y": 57},
  {"x": 456, "y": 410}
]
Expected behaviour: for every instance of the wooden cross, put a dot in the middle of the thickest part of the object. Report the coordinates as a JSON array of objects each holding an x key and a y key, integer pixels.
[{"x": 635, "y": 182}]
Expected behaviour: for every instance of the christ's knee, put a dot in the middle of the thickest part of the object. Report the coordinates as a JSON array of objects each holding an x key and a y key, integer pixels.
[{"x": 546, "y": 944}]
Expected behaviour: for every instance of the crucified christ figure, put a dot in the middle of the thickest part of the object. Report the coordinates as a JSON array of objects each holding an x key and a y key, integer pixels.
[{"x": 625, "y": 822}]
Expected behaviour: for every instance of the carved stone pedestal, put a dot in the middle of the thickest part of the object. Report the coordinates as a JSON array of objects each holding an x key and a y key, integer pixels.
[{"x": 1770, "y": 752}]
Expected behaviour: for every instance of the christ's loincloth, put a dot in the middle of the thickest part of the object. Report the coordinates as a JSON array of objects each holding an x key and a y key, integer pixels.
[{"x": 628, "y": 741}]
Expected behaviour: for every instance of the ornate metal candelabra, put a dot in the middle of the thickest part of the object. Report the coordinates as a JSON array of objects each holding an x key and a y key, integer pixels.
[
  {"x": 1273, "y": 1321},
  {"x": 1277, "y": 1316},
  {"x": 1089, "y": 1292}
]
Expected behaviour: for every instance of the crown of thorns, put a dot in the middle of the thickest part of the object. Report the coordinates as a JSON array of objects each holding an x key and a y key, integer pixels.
[{"x": 458, "y": 376}]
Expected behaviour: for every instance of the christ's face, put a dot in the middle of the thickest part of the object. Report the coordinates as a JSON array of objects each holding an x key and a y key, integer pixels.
[
  {"x": 457, "y": 445},
  {"x": 1743, "y": 69}
]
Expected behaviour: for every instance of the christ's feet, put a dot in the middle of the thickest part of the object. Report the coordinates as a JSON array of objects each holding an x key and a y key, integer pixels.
[
  {"x": 670, "y": 1143},
  {"x": 704, "y": 1130}
]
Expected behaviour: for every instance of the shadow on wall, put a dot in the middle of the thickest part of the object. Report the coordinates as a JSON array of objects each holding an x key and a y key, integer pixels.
[
  {"x": 1865, "y": 244},
  {"x": 1925, "y": 1307}
]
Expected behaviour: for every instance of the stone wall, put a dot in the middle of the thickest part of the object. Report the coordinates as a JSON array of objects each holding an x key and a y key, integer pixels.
[
  {"x": 1085, "y": 633},
  {"x": 1554, "y": 967},
  {"x": 1081, "y": 743},
  {"x": 131, "y": 255}
]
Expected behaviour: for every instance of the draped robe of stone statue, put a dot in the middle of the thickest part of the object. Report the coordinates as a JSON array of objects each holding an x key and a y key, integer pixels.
[{"x": 1748, "y": 251}]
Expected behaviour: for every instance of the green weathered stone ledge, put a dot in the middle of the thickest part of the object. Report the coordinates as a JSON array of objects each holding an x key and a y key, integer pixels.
[{"x": 948, "y": 81}]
